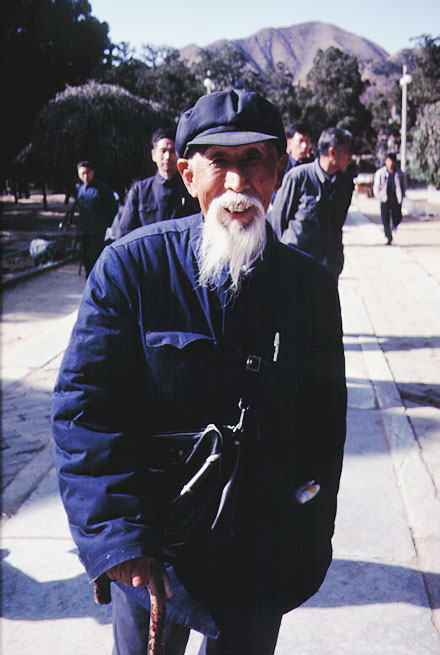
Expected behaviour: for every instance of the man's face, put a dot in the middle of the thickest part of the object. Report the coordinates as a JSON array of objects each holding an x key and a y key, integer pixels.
[
  {"x": 255, "y": 169},
  {"x": 165, "y": 158},
  {"x": 390, "y": 164},
  {"x": 299, "y": 146},
  {"x": 234, "y": 186},
  {"x": 343, "y": 155},
  {"x": 85, "y": 174}
]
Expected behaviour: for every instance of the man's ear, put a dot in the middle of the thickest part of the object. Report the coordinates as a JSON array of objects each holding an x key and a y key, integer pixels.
[
  {"x": 281, "y": 169},
  {"x": 185, "y": 169},
  {"x": 332, "y": 152}
]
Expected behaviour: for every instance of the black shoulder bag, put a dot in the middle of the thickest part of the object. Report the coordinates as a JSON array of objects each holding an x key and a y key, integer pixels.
[{"x": 196, "y": 476}]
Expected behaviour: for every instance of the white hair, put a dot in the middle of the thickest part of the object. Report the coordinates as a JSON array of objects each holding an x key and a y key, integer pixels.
[{"x": 229, "y": 243}]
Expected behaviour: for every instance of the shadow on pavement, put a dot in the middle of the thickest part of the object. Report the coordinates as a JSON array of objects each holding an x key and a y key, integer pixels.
[
  {"x": 25, "y": 598},
  {"x": 53, "y": 294},
  {"x": 353, "y": 583},
  {"x": 349, "y": 583},
  {"x": 389, "y": 343}
]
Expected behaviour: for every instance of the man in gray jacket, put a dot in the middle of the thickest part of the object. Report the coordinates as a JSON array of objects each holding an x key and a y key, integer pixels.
[
  {"x": 389, "y": 188},
  {"x": 310, "y": 209}
]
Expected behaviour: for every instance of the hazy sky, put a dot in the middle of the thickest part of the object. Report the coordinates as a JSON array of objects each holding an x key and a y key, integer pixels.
[{"x": 389, "y": 23}]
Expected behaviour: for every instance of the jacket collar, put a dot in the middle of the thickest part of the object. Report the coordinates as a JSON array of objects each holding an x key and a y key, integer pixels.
[{"x": 168, "y": 182}]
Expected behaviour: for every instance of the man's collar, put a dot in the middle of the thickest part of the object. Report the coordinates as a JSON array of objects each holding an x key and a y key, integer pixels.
[
  {"x": 166, "y": 181},
  {"x": 322, "y": 175}
]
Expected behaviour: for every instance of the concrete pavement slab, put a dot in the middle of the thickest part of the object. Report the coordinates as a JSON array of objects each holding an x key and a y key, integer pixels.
[
  {"x": 37, "y": 351},
  {"x": 37, "y": 318},
  {"x": 390, "y": 305}
]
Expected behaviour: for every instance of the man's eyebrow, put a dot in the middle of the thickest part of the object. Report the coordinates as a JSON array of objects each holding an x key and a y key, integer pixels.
[{"x": 213, "y": 150}]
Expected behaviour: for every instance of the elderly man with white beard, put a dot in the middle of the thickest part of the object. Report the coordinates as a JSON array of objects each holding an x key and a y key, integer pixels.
[{"x": 206, "y": 321}]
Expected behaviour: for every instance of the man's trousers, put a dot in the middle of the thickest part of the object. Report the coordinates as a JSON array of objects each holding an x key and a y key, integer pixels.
[
  {"x": 256, "y": 635},
  {"x": 391, "y": 214}
]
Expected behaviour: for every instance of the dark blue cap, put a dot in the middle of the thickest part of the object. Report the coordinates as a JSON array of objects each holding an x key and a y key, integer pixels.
[{"x": 230, "y": 118}]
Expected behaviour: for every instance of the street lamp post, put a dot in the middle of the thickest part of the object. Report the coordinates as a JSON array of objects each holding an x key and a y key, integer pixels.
[{"x": 404, "y": 81}]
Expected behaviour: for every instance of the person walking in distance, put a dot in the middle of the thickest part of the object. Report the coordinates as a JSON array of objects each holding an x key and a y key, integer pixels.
[
  {"x": 97, "y": 208},
  {"x": 389, "y": 189}
]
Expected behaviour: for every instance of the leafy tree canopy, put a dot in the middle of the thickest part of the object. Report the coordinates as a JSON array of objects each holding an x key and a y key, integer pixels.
[
  {"x": 99, "y": 122},
  {"x": 425, "y": 151},
  {"x": 425, "y": 85},
  {"x": 228, "y": 69},
  {"x": 334, "y": 87},
  {"x": 47, "y": 44}
]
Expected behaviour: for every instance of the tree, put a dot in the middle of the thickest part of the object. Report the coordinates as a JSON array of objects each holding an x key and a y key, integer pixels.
[
  {"x": 154, "y": 55},
  {"x": 128, "y": 74},
  {"x": 384, "y": 111},
  {"x": 335, "y": 87},
  {"x": 279, "y": 89},
  {"x": 171, "y": 85},
  {"x": 122, "y": 52},
  {"x": 168, "y": 84},
  {"x": 425, "y": 151},
  {"x": 228, "y": 69},
  {"x": 47, "y": 44},
  {"x": 425, "y": 85},
  {"x": 100, "y": 122}
]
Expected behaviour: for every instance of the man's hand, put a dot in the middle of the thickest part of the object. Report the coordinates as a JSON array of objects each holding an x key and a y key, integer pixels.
[{"x": 143, "y": 572}]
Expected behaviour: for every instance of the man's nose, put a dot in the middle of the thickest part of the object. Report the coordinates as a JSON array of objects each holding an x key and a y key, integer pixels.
[{"x": 236, "y": 178}]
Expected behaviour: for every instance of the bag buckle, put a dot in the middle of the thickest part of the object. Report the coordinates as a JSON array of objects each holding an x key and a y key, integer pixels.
[
  {"x": 239, "y": 427},
  {"x": 253, "y": 363}
]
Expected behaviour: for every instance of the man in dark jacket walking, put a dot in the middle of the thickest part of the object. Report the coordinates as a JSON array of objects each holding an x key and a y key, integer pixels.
[
  {"x": 174, "y": 318},
  {"x": 162, "y": 196},
  {"x": 97, "y": 208}
]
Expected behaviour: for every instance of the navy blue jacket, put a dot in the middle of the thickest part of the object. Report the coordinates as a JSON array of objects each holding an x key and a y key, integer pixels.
[
  {"x": 97, "y": 208},
  {"x": 309, "y": 212},
  {"x": 153, "y": 351},
  {"x": 156, "y": 199}
]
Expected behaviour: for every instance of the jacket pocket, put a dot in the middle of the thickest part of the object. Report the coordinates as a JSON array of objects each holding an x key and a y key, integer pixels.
[{"x": 183, "y": 370}]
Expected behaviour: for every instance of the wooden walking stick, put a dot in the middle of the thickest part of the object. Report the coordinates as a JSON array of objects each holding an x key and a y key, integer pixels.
[
  {"x": 158, "y": 613},
  {"x": 158, "y": 617}
]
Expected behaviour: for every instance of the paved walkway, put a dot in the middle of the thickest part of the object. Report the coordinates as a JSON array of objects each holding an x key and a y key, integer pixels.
[
  {"x": 382, "y": 593},
  {"x": 37, "y": 317}
]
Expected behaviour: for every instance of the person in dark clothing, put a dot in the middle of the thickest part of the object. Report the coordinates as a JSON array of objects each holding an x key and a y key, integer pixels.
[
  {"x": 389, "y": 188},
  {"x": 162, "y": 196},
  {"x": 311, "y": 207},
  {"x": 299, "y": 145},
  {"x": 173, "y": 317},
  {"x": 97, "y": 207}
]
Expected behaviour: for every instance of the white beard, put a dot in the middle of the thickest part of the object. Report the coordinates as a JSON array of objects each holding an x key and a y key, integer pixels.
[{"x": 228, "y": 242}]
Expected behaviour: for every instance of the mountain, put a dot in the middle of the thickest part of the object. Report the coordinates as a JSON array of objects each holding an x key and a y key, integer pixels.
[{"x": 296, "y": 47}]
